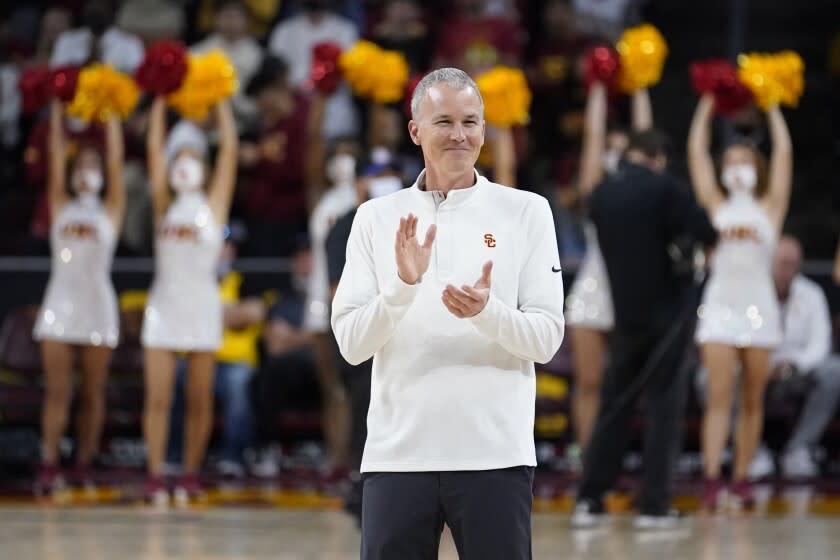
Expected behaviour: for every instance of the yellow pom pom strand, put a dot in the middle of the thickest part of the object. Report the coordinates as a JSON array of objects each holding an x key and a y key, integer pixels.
[
  {"x": 643, "y": 51},
  {"x": 102, "y": 92},
  {"x": 374, "y": 73},
  {"x": 774, "y": 78},
  {"x": 507, "y": 97},
  {"x": 210, "y": 78}
]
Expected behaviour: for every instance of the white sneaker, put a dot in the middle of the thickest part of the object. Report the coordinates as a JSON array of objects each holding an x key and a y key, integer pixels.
[
  {"x": 587, "y": 515},
  {"x": 231, "y": 469},
  {"x": 762, "y": 464},
  {"x": 799, "y": 464},
  {"x": 670, "y": 520},
  {"x": 264, "y": 463}
]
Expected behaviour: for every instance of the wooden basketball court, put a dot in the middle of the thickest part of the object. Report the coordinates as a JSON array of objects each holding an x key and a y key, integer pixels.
[{"x": 135, "y": 533}]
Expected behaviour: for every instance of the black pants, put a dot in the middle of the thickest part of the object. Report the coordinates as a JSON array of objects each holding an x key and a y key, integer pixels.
[
  {"x": 665, "y": 392},
  {"x": 488, "y": 512}
]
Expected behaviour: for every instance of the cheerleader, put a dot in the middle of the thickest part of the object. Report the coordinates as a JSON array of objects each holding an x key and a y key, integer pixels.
[
  {"x": 738, "y": 319},
  {"x": 87, "y": 203},
  {"x": 589, "y": 311},
  {"x": 184, "y": 310}
]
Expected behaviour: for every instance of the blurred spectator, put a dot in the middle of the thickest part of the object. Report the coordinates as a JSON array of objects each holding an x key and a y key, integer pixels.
[
  {"x": 606, "y": 17},
  {"x": 231, "y": 36},
  {"x": 375, "y": 179},
  {"x": 152, "y": 20},
  {"x": 402, "y": 29},
  {"x": 474, "y": 41},
  {"x": 335, "y": 202},
  {"x": 288, "y": 374},
  {"x": 9, "y": 107},
  {"x": 261, "y": 14},
  {"x": 802, "y": 366},
  {"x": 293, "y": 40},
  {"x": 98, "y": 40},
  {"x": 559, "y": 96},
  {"x": 55, "y": 21},
  {"x": 274, "y": 159},
  {"x": 236, "y": 362}
]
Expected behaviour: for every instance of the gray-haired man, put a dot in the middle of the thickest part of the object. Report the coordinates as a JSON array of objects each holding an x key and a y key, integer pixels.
[{"x": 454, "y": 287}]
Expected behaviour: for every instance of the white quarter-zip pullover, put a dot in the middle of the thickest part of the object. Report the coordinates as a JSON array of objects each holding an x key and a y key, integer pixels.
[{"x": 452, "y": 394}]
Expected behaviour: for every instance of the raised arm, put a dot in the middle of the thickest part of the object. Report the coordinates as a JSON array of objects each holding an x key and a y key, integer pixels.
[
  {"x": 156, "y": 157},
  {"x": 780, "y": 173},
  {"x": 504, "y": 158},
  {"x": 315, "y": 150},
  {"x": 594, "y": 138},
  {"x": 220, "y": 193},
  {"x": 642, "y": 113},
  {"x": 836, "y": 272},
  {"x": 701, "y": 168},
  {"x": 57, "y": 148},
  {"x": 114, "y": 155}
]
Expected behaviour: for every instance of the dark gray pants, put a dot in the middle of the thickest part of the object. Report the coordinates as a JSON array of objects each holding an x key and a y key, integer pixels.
[
  {"x": 488, "y": 512},
  {"x": 665, "y": 389}
]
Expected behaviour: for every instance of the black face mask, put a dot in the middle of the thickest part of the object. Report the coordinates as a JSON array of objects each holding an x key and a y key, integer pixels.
[{"x": 98, "y": 20}]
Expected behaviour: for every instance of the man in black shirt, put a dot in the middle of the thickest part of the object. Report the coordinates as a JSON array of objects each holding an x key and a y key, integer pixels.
[{"x": 641, "y": 214}]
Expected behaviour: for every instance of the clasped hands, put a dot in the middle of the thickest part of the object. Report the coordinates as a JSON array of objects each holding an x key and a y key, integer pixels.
[{"x": 413, "y": 261}]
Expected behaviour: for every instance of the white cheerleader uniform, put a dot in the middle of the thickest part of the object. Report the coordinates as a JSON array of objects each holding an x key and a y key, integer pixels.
[
  {"x": 739, "y": 305},
  {"x": 80, "y": 304},
  {"x": 589, "y": 303},
  {"x": 184, "y": 310}
]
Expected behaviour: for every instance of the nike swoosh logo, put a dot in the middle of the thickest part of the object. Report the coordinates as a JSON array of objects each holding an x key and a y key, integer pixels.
[{"x": 556, "y": 269}]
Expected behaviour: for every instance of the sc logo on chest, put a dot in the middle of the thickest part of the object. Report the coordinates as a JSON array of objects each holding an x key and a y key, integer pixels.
[{"x": 489, "y": 240}]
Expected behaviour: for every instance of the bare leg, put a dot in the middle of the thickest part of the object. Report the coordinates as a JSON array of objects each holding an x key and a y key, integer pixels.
[
  {"x": 589, "y": 348},
  {"x": 199, "y": 418},
  {"x": 58, "y": 364},
  {"x": 750, "y": 408},
  {"x": 95, "y": 361},
  {"x": 336, "y": 405},
  {"x": 719, "y": 360},
  {"x": 160, "y": 376}
]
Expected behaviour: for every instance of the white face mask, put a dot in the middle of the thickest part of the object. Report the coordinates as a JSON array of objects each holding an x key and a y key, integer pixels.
[
  {"x": 739, "y": 177},
  {"x": 382, "y": 186},
  {"x": 611, "y": 160},
  {"x": 187, "y": 174},
  {"x": 87, "y": 181},
  {"x": 341, "y": 169}
]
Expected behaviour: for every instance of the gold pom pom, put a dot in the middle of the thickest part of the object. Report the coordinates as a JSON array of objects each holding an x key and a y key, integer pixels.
[
  {"x": 373, "y": 72},
  {"x": 210, "y": 78},
  {"x": 643, "y": 51},
  {"x": 507, "y": 97},
  {"x": 103, "y": 92},
  {"x": 776, "y": 78}
]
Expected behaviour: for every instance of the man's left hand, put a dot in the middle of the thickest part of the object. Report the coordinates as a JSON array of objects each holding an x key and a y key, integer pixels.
[{"x": 469, "y": 301}]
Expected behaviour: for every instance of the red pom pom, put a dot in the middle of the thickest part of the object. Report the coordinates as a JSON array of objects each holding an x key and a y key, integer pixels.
[
  {"x": 601, "y": 65},
  {"x": 63, "y": 82},
  {"x": 719, "y": 77},
  {"x": 34, "y": 87},
  {"x": 325, "y": 75},
  {"x": 409, "y": 93},
  {"x": 163, "y": 68}
]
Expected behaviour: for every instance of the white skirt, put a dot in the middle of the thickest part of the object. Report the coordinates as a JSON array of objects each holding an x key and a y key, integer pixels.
[{"x": 589, "y": 303}]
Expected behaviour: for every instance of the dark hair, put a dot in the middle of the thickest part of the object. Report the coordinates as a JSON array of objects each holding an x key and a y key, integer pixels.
[
  {"x": 273, "y": 71},
  {"x": 651, "y": 142},
  {"x": 761, "y": 166},
  {"x": 220, "y": 5},
  {"x": 333, "y": 145}
]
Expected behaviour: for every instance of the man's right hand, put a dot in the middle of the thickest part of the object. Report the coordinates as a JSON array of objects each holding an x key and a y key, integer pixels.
[{"x": 412, "y": 257}]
